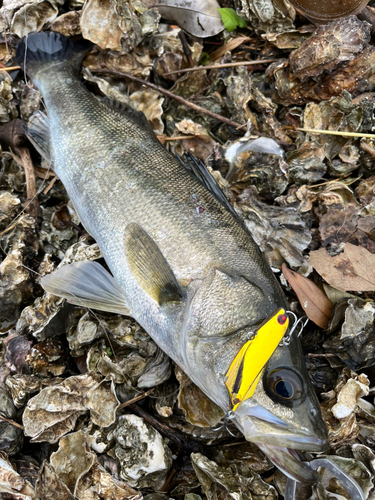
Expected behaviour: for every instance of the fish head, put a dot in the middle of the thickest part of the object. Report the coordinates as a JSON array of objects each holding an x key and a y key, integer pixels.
[
  {"x": 283, "y": 415},
  {"x": 280, "y": 412}
]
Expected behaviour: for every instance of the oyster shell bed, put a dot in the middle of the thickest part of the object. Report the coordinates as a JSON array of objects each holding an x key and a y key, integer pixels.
[{"x": 90, "y": 407}]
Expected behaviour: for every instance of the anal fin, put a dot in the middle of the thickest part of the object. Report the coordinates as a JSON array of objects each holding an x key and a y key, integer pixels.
[
  {"x": 149, "y": 266},
  {"x": 87, "y": 284},
  {"x": 38, "y": 133}
]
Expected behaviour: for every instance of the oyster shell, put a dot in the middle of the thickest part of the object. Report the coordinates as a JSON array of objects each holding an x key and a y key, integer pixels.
[
  {"x": 11, "y": 437},
  {"x": 144, "y": 457}
]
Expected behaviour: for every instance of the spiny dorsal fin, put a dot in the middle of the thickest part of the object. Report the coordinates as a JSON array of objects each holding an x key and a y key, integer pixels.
[
  {"x": 138, "y": 117},
  {"x": 87, "y": 284},
  {"x": 149, "y": 266},
  {"x": 200, "y": 172},
  {"x": 38, "y": 133}
]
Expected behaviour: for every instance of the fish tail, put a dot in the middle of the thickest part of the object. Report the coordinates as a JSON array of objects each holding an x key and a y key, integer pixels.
[{"x": 37, "y": 50}]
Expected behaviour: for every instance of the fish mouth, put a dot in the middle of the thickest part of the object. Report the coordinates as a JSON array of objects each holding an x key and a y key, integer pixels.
[
  {"x": 282, "y": 443},
  {"x": 288, "y": 461},
  {"x": 275, "y": 432},
  {"x": 294, "y": 439}
]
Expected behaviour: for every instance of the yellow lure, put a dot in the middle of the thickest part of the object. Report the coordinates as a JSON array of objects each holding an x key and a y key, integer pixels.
[{"x": 246, "y": 368}]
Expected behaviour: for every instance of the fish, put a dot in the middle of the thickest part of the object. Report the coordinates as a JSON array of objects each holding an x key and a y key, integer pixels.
[{"x": 182, "y": 263}]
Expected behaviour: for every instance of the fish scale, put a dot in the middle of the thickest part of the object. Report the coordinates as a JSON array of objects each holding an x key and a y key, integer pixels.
[{"x": 183, "y": 264}]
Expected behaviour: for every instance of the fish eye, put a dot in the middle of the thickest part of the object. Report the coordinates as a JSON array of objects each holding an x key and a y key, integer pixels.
[{"x": 284, "y": 385}]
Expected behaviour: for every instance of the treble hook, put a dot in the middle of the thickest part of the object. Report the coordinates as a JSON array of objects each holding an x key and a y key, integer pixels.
[
  {"x": 350, "y": 484},
  {"x": 298, "y": 322},
  {"x": 226, "y": 419}
]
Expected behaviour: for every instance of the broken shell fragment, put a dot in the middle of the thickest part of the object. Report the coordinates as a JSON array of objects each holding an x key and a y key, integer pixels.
[
  {"x": 227, "y": 481},
  {"x": 349, "y": 395},
  {"x": 49, "y": 486},
  {"x": 197, "y": 407},
  {"x": 48, "y": 358},
  {"x": 72, "y": 459},
  {"x": 12, "y": 485},
  {"x": 145, "y": 459},
  {"x": 21, "y": 387},
  {"x": 15, "y": 285},
  {"x": 11, "y": 437}
]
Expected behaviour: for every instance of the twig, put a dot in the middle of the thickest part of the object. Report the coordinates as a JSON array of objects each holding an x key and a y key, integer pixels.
[
  {"x": 224, "y": 65},
  {"x": 186, "y": 48},
  {"x": 11, "y": 422},
  {"x": 134, "y": 400},
  {"x": 179, "y": 439},
  {"x": 269, "y": 479},
  {"x": 32, "y": 199},
  {"x": 328, "y": 355},
  {"x": 167, "y": 483},
  {"x": 9, "y": 228},
  {"x": 330, "y": 182},
  {"x": 10, "y": 68},
  {"x": 236, "y": 443},
  {"x": 12, "y": 134},
  {"x": 50, "y": 185},
  {"x": 179, "y": 137},
  {"x": 228, "y": 47},
  {"x": 334, "y": 132},
  {"x": 169, "y": 94},
  {"x": 366, "y": 147}
]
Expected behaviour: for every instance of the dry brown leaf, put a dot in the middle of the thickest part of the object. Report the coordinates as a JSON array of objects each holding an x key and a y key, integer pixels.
[
  {"x": 315, "y": 303},
  {"x": 228, "y": 47},
  {"x": 351, "y": 270},
  {"x": 199, "y": 18}
]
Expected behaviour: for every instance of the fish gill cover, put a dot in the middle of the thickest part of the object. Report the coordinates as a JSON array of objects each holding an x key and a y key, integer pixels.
[{"x": 91, "y": 388}]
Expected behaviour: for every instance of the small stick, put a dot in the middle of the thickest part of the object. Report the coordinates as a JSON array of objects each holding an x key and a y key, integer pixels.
[
  {"x": 335, "y": 132},
  {"x": 186, "y": 48},
  {"x": 11, "y": 422},
  {"x": 330, "y": 182},
  {"x": 9, "y": 228},
  {"x": 50, "y": 185},
  {"x": 169, "y": 94},
  {"x": 366, "y": 147},
  {"x": 328, "y": 355},
  {"x": 180, "y": 137},
  {"x": 32, "y": 199},
  {"x": 12, "y": 134},
  {"x": 165, "y": 487},
  {"x": 184, "y": 443},
  {"x": 134, "y": 400},
  {"x": 224, "y": 65},
  {"x": 10, "y": 68},
  {"x": 269, "y": 479}
]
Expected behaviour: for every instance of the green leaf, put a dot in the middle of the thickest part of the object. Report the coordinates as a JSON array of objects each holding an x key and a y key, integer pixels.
[
  {"x": 231, "y": 19},
  {"x": 204, "y": 59},
  {"x": 109, "y": 352}
]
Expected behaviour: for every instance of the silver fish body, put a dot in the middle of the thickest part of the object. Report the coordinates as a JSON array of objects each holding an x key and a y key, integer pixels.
[{"x": 128, "y": 191}]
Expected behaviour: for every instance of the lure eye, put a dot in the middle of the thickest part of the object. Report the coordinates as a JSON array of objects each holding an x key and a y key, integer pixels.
[
  {"x": 281, "y": 319},
  {"x": 284, "y": 385}
]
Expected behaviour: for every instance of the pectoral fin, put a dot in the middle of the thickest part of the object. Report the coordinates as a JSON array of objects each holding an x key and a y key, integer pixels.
[
  {"x": 38, "y": 133},
  {"x": 87, "y": 284},
  {"x": 149, "y": 266}
]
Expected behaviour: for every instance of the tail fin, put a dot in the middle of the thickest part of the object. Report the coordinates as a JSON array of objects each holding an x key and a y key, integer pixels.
[{"x": 38, "y": 49}]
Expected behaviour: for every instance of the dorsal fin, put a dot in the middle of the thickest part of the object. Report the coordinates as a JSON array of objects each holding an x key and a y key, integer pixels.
[
  {"x": 200, "y": 172},
  {"x": 138, "y": 117},
  {"x": 149, "y": 266}
]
